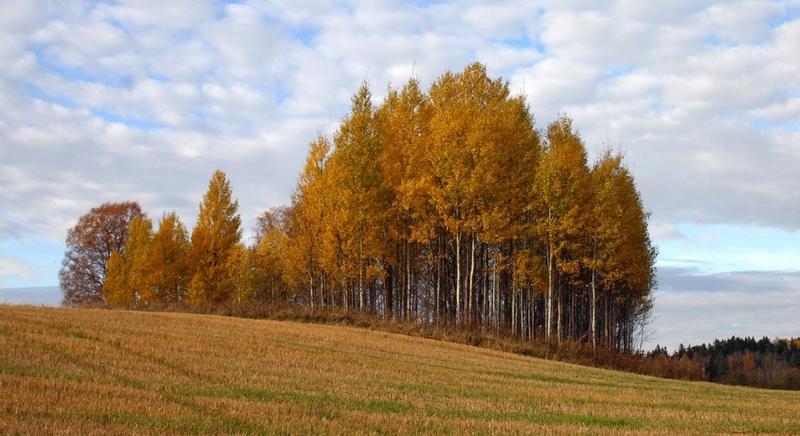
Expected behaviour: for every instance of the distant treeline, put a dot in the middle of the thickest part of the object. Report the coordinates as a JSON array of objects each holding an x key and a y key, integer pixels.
[
  {"x": 741, "y": 361},
  {"x": 446, "y": 207}
]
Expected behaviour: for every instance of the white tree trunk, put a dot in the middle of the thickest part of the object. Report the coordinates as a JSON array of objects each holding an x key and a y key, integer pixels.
[
  {"x": 495, "y": 300},
  {"x": 549, "y": 314},
  {"x": 594, "y": 311},
  {"x": 458, "y": 277},
  {"x": 438, "y": 284},
  {"x": 471, "y": 292},
  {"x": 408, "y": 282},
  {"x": 361, "y": 276},
  {"x": 560, "y": 299}
]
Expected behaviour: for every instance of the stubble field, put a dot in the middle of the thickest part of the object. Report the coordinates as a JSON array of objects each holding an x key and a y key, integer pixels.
[{"x": 86, "y": 371}]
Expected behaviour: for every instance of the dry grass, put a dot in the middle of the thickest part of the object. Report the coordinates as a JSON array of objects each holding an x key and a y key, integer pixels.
[{"x": 86, "y": 371}]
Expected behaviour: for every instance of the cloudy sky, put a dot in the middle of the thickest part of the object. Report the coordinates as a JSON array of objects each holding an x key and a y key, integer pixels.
[{"x": 107, "y": 101}]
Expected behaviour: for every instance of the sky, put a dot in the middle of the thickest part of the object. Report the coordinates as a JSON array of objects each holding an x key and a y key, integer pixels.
[{"x": 142, "y": 100}]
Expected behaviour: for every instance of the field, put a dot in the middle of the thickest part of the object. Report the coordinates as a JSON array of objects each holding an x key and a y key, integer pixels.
[{"x": 100, "y": 371}]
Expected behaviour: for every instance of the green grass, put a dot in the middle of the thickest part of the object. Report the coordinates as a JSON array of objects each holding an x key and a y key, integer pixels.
[{"x": 102, "y": 371}]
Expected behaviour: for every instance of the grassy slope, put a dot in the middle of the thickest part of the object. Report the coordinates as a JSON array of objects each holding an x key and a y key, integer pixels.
[{"x": 99, "y": 370}]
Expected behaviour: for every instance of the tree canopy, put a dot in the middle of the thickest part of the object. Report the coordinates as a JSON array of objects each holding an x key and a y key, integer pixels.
[
  {"x": 90, "y": 244},
  {"x": 214, "y": 243}
]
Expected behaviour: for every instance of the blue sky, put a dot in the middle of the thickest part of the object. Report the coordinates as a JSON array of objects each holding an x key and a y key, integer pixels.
[
  {"x": 724, "y": 247},
  {"x": 109, "y": 101}
]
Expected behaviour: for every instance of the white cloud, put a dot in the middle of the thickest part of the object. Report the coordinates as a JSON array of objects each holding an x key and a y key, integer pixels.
[
  {"x": 13, "y": 268},
  {"x": 786, "y": 110},
  {"x": 745, "y": 22},
  {"x": 664, "y": 231},
  {"x": 205, "y": 82}
]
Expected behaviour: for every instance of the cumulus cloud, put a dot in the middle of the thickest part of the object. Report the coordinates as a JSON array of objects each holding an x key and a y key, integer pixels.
[
  {"x": 698, "y": 106},
  {"x": 682, "y": 88}
]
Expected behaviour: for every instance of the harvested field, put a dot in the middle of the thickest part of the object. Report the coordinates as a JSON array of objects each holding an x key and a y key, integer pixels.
[{"x": 86, "y": 371}]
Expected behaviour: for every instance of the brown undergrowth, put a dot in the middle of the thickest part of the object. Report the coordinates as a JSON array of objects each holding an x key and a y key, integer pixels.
[{"x": 580, "y": 353}]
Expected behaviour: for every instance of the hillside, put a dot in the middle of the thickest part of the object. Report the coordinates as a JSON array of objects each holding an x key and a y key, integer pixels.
[{"x": 82, "y": 371}]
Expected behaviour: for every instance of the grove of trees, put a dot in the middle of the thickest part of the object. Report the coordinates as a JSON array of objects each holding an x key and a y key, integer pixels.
[{"x": 443, "y": 206}]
